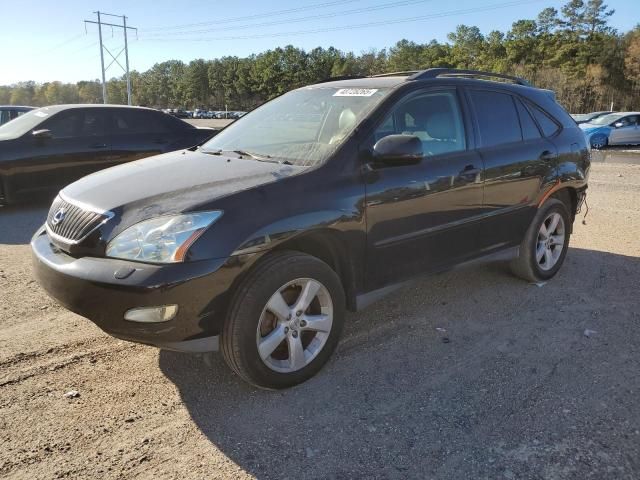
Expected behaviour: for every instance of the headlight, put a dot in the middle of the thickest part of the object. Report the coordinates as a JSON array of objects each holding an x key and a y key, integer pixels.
[{"x": 162, "y": 239}]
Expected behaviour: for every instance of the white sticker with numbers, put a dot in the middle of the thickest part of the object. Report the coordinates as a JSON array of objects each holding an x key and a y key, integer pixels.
[{"x": 355, "y": 92}]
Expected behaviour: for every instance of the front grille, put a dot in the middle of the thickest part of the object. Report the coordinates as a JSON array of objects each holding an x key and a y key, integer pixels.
[{"x": 71, "y": 222}]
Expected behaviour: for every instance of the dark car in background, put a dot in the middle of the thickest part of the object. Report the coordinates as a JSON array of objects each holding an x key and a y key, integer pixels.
[
  {"x": 50, "y": 147},
  {"x": 9, "y": 112},
  {"x": 325, "y": 198}
]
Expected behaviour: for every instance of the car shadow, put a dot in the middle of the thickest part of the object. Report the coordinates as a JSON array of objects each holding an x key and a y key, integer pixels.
[
  {"x": 18, "y": 223},
  {"x": 453, "y": 376}
]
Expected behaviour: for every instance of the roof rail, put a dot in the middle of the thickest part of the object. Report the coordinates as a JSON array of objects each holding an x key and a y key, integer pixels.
[
  {"x": 340, "y": 77},
  {"x": 454, "y": 72},
  {"x": 396, "y": 74}
]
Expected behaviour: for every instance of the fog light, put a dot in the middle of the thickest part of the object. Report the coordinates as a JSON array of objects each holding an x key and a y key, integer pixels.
[{"x": 151, "y": 314}]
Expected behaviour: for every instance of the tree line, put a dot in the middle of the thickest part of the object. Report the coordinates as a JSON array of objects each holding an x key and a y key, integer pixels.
[{"x": 574, "y": 52}]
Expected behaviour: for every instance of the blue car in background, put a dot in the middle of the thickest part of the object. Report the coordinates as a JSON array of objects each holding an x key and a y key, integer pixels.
[{"x": 622, "y": 128}]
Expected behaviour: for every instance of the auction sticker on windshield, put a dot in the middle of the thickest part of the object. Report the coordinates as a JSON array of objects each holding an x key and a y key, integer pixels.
[{"x": 355, "y": 92}]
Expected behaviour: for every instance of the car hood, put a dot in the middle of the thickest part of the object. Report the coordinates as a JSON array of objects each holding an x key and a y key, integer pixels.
[
  {"x": 588, "y": 128},
  {"x": 173, "y": 182}
]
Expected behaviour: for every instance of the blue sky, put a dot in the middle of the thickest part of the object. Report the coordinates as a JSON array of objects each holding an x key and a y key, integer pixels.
[{"x": 43, "y": 40}]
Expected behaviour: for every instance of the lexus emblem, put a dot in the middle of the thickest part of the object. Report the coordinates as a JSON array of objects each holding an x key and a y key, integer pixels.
[{"x": 58, "y": 216}]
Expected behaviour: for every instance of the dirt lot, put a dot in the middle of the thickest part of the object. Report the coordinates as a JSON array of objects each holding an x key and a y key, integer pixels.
[{"x": 534, "y": 382}]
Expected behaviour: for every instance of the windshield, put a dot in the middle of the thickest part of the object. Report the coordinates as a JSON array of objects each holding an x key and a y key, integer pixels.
[
  {"x": 302, "y": 127},
  {"x": 24, "y": 123},
  {"x": 607, "y": 119}
]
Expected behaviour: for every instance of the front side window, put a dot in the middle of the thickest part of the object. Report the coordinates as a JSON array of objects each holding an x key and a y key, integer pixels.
[
  {"x": 303, "y": 127},
  {"x": 497, "y": 117},
  {"x": 433, "y": 117},
  {"x": 76, "y": 123}
]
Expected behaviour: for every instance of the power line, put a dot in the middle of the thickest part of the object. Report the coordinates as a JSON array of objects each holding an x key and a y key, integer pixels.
[
  {"x": 62, "y": 44},
  {"x": 249, "y": 17},
  {"x": 352, "y": 26},
  {"x": 401, "y": 3}
]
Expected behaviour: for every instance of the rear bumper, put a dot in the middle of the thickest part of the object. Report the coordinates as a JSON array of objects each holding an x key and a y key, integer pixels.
[{"x": 89, "y": 287}]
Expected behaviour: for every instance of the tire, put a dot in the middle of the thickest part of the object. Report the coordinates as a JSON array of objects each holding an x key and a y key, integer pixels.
[
  {"x": 258, "y": 317},
  {"x": 528, "y": 264},
  {"x": 599, "y": 141}
]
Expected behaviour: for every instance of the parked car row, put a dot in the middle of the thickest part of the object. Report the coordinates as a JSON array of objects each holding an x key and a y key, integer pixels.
[
  {"x": 47, "y": 148},
  {"x": 217, "y": 114}
]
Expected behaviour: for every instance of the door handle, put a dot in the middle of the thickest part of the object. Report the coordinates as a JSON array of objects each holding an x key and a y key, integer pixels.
[
  {"x": 469, "y": 171},
  {"x": 161, "y": 142},
  {"x": 547, "y": 155},
  {"x": 98, "y": 145}
]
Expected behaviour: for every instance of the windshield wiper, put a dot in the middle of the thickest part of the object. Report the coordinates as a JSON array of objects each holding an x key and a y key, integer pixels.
[
  {"x": 257, "y": 156},
  {"x": 261, "y": 157}
]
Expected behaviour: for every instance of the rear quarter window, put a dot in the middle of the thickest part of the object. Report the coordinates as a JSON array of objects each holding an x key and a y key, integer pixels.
[{"x": 548, "y": 126}]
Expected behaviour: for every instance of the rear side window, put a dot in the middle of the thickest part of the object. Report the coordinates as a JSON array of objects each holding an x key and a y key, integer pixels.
[
  {"x": 529, "y": 129},
  {"x": 497, "y": 117},
  {"x": 547, "y": 125}
]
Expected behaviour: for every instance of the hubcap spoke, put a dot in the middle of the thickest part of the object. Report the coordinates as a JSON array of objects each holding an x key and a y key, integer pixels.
[
  {"x": 540, "y": 252},
  {"x": 554, "y": 224},
  {"x": 543, "y": 231},
  {"x": 548, "y": 257},
  {"x": 296, "y": 352},
  {"x": 278, "y": 306},
  {"x": 318, "y": 323},
  {"x": 269, "y": 343},
  {"x": 308, "y": 293}
]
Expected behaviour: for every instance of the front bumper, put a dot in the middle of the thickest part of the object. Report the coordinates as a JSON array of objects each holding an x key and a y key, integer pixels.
[{"x": 94, "y": 288}]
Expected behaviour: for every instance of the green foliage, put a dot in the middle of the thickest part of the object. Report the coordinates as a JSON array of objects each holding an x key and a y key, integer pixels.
[{"x": 573, "y": 52}]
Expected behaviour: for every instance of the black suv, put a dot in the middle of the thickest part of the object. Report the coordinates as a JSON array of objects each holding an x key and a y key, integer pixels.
[{"x": 323, "y": 199}]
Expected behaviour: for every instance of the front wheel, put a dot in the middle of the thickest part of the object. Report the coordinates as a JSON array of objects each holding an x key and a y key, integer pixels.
[
  {"x": 545, "y": 244},
  {"x": 284, "y": 321},
  {"x": 598, "y": 141}
]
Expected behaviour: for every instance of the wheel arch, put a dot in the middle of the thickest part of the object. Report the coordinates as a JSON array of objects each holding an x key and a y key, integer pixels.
[
  {"x": 327, "y": 245},
  {"x": 567, "y": 195}
]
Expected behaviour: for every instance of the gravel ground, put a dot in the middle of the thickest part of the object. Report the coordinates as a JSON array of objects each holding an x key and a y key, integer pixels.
[{"x": 533, "y": 382}]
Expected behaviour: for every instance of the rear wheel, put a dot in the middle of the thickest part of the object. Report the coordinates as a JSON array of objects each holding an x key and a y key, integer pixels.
[
  {"x": 284, "y": 321},
  {"x": 545, "y": 245}
]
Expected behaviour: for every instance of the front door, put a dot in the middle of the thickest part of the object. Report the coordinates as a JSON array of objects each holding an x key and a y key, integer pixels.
[
  {"x": 419, "y": 217},
  {"x": 627, "y": 133},
  {"x": 78, "y": 145}
]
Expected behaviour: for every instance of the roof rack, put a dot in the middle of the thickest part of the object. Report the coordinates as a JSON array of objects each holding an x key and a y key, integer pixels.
[
  {"x": 340, "y": 77},
  {"x": 453, "y": 72},
  {"x": 396, "y": 74}
]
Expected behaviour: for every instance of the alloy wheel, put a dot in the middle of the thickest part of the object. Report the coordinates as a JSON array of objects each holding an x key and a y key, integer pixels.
[
  {"x": 294, "y": 325},
  {"x": 551, "y": 238}
]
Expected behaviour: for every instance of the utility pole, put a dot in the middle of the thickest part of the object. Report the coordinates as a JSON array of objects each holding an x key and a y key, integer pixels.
[{"x": 114, "y": 58}]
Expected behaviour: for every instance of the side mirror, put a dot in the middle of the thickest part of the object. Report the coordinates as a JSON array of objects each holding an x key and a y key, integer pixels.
[
  {"x": 394, "y": 150},
  {"x": 44, "y": 133},
  {"x": 618, "y": 125}
]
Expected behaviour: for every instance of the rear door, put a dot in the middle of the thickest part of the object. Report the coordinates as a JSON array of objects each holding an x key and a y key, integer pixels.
[
  {"x": 78, "y": 146},
  {"x": 518, "y": 160},
  {"x": 140, "y": 133},
  {"x": 420, "y": 217}
]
